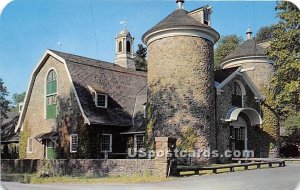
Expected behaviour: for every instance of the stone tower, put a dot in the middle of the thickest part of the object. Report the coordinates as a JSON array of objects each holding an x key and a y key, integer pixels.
[
  {"x": 181, "y": 99},
  {"x": 251, "y": 56},
  {"x": 124, "y": 55}
]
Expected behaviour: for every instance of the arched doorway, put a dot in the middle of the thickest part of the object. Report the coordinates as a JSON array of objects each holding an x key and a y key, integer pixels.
[
  {"x": 238, "y": 135},
  {"x": 240, "y": 120}
]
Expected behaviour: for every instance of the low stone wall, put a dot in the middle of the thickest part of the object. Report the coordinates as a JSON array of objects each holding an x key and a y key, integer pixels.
[{"x": 84, "y": 167}]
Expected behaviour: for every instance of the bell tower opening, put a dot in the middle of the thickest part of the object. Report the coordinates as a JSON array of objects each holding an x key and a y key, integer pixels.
[
  {"x": 128, "y": 47},
  {"x": 120, "y": 46},
  {"x": 124, "y": 54}
]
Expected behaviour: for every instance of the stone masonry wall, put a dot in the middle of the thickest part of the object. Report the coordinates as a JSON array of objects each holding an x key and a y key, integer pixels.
[
  {"x": 77, "y": 167},
  {"x": 181, "y": 92},
  {"x": 261, "y": 77},
  {"x": 224, "y": 104},
  {"x": 35, "y": 114}
]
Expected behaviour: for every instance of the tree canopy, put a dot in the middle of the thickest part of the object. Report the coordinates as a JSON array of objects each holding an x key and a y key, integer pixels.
[
  {"x": 4, "y": 103},
  {"x": 140, "y": 58},
  {"x": 225, "y": 46},
  {"x": 18, "y": 98},
  {"x": 264, "y": 33},
  {"x": 284, "y": 50}
]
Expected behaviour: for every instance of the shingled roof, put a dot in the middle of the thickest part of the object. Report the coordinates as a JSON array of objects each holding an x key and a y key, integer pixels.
[
  {"x": 122, "y": 85},
  {"x": 222, "y": 74},
  {"x": 8, "y": 133},
  {"x": 247, "y": 48},
  {"x": 177, "y": 18}
]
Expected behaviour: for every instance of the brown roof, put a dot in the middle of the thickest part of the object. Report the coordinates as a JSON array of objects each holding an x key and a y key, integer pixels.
[
  {"x": 247, "y": 48},
  {"x": 177, "y": 18},
  {"x": 8, "y": 133},
  {"x": 122, "y": 85}
]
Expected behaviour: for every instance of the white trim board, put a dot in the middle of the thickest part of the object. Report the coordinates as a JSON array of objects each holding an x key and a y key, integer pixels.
[
  {"x": 42, "y": 62},
  {"x": 247, "y": 79}
]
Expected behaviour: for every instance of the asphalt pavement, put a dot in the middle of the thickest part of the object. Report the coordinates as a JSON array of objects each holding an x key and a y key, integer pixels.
[{"x": 280, "y": 178}]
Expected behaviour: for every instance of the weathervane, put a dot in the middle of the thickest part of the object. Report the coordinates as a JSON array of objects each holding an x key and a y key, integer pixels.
[{"x": 124, "y": 22}]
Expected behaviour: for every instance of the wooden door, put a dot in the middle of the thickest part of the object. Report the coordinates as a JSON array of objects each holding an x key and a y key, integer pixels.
[{"x": 51, "y": 150}]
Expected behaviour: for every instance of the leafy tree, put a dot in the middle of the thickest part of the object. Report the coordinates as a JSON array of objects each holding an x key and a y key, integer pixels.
[
  {"x": 140, "y": 58},
  {"x": 284, "y": 49},
  {"x": 4, "y": 103},
  {"x": 18, "y": 98},
  {"x": 225, "y": 46},
  {"x": 264, "y": 33},
  {"x": 292, "y": 122}
]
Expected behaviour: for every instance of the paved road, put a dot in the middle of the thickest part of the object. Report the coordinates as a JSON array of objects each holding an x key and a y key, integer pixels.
[{"x": 285, "y": 178}]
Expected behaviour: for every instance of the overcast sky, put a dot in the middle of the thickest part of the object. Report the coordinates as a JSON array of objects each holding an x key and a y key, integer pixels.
[{"x": 29, "y": 27}]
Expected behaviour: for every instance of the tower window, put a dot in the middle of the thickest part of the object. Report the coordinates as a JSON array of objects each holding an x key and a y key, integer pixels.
[
  {"x": 237, "y": 95},
  {"x": 120, "y": 46},
  {"x": 128, "y": 47},
  {"x": 51, "y": 94},
  {"x": 205, "y": 17}
]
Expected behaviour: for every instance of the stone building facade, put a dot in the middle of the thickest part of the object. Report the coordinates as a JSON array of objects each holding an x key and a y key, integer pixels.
[
  {"x": 251, "y": 56},
  {"x": 180, "y": 78},
  {"x": 101, "y": 109}
]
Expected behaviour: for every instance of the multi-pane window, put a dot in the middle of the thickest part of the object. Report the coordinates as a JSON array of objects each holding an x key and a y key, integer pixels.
[
  {"x": 101, "y": 100},
  {"x": 106, "y": 142},
  {"x": 73, "y": 142},
  {"x": 139, "y": 141},
  {"x": 30, "y": 145},
  {"x": 233, "y": 133},
  {"x": 51, "y": 94},
  {"x": 237, "y": 96},
  {"x": 240, "y": 133}
]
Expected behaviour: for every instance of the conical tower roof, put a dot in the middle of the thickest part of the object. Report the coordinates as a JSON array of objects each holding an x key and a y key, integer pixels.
[
  {"x": 178, "y": 18},
  {"x": 247, "y": 48}
]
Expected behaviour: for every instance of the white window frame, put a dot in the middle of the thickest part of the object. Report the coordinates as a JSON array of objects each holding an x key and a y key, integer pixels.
[
  {"x": 241, "y": 133},
  {"x": 21, "y": 104},
  {"x": 28, "y": 145},
  {"x": 135, "y": 139},
  {"x": 145, "y": 111},
  {"x": 96, "y": 100},
  {"x": 233, "y": 135},
  {"x": 47, "y": 95},
  {"x": 95, "y": 93},
  {"x": 71, "y": 143},
  {"x": 110, "y": 142},
  {"x": 243, "y": 91}
]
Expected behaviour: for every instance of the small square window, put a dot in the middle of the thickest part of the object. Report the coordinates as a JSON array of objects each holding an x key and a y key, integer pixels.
[
  {"x": 106, "y": 142},
  {"x": 73, "y": 143},
  {"x": 101, "y": 100}
]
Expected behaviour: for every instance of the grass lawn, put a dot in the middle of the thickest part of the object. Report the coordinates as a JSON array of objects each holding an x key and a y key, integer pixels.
[
  {"x": 84, "y": 180},
  {"x": 34, "y": 179}
]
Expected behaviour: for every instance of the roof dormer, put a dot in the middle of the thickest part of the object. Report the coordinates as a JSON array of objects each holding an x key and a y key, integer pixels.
[
  {"x": 100, "y": 96},
  {"x": 202, "y": 14}
]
